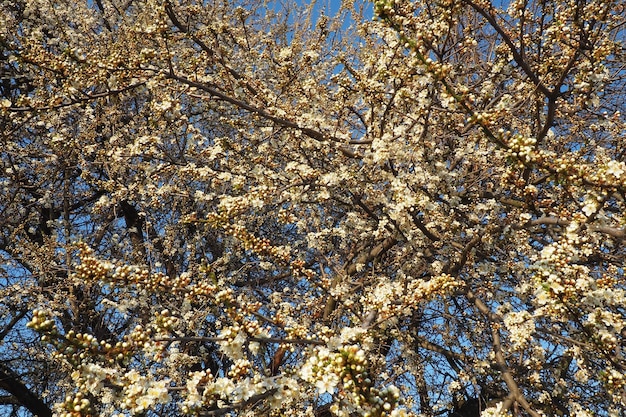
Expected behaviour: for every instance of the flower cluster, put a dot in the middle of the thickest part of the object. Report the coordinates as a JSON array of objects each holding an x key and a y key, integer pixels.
[
  {"x": 345, "y": 372},
  {"x": 521, "y": 327},
  {"x": 75, "y": 406}
]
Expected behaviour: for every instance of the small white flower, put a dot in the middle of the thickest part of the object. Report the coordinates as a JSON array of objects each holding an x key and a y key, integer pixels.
[
  {"x": 327, "y": 383},
  {"x": 590, "y": 207},
  {"x": 615, "y": 168},
  {"x": 497, "y": 411}
]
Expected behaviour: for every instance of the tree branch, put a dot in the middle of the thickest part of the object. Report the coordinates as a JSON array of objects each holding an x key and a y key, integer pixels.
[
  {"x": 517, "y": 56},
  {"x": 313, "y": 134},
  {"x": 239, "y": 405},
  {"x": 10, "y": 382}
]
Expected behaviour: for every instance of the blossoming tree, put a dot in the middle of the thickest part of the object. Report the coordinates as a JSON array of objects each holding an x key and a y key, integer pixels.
[{"x": 396, "y": 208}]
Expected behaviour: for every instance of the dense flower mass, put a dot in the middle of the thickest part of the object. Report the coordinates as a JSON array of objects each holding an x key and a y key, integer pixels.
[{"x": 246, "y": 208}]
